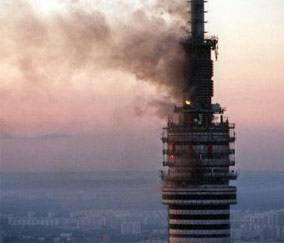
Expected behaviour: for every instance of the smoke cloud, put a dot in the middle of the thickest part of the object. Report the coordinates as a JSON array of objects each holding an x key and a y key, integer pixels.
[{"x": 56, "y": 48}]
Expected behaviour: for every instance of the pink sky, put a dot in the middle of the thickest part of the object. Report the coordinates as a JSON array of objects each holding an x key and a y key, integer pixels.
[{"x": 105, "y": 114}]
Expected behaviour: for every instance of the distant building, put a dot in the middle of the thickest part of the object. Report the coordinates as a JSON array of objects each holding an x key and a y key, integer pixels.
[{"x": 130, "y": 228}]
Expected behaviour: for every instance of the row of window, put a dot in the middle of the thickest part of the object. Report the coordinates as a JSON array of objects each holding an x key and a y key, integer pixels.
[
  {"x": 210, "y": 236},
  {"x": 200, "y": 226},
  {"x": 200, "y": 216},
  {"x": 200, "y": 207},
  {"x": 198, "y": 148},
  {"x": 200, "y": 197}
]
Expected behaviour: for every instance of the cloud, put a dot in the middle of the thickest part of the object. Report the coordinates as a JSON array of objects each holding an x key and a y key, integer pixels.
[{"x": 51, "y": 136}]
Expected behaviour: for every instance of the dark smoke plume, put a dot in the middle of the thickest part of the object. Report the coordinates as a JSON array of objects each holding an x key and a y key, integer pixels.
[{"x": 57, "y": 47}]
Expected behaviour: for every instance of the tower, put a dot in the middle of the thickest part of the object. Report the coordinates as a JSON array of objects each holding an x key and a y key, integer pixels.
[{"x": 198, "y": 149}]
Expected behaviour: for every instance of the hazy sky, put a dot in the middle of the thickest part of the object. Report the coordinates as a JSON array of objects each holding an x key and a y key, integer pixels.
[{"x": 65, "y": 106}]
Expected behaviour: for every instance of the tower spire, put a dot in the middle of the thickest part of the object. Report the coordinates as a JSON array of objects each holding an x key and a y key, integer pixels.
[{"x": 197, "y": 19}]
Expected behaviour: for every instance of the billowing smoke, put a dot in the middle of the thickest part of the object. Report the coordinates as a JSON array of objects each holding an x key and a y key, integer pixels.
[{"x": 60, "y": 46}]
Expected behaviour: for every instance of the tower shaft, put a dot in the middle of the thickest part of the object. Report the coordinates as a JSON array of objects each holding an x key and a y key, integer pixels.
[{"x": 198, "y": 150}]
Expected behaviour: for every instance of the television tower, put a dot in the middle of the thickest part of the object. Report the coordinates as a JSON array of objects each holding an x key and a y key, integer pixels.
[{"x": 199, "y": 149}]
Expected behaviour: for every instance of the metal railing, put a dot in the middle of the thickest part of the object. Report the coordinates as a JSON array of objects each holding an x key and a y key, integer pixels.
[
  {"x": 200, "y": 163},
  {"x": 168, "y": 175},
  {"x": 191, "y": 137},
  {"x": 197, "y": 155}
]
